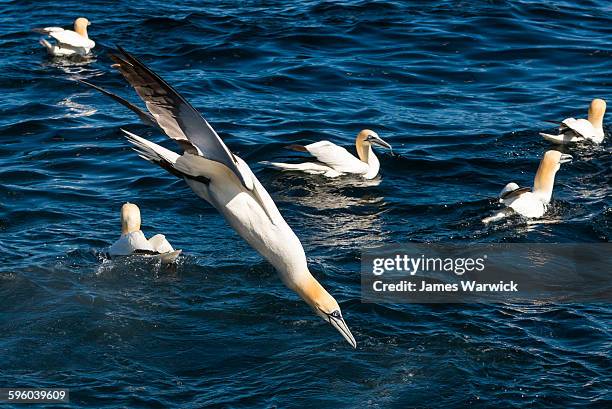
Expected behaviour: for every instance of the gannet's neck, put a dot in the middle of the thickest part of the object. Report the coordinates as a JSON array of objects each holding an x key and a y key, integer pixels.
[
  {"x": 373, "y": 164},
  {"x": 366, "y": 154},
  {"x": 597, "y": 110},
  {"x": 310, "y": 290},
  {"x": 363, "y": 150},
  {"x": 597, "y": 122},
  {"x": 544, "y": 180},
  {"x": 81, "y": 29},
  {"x": 130, "y": 218}
]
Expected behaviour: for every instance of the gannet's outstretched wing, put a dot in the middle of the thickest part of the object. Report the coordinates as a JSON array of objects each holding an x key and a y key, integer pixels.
[{"x": 179, "y": 120}]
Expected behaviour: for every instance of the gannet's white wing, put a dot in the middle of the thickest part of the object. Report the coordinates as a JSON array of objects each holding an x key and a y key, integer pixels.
[
  {"x": 511, "y": 192},
  {"x": 528, "y": 205},
  {"x": 581, "y": 127},
  {"x": 121, "y": 247},
  {"x": 130, "y": 243},
  {"x": 160, "y": 244},
  {"x": 336, "y": 157},
  {"x": 572, "y": 130},
  {"x": 179, "y": 120},
  {"x": 72, "y": 39}
]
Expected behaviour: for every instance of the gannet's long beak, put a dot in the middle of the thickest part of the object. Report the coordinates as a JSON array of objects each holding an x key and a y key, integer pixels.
[
  {"x": 336, "y": 320},
  {"x": 378, "y": 141},
  {"x": 565, "y": 158}
]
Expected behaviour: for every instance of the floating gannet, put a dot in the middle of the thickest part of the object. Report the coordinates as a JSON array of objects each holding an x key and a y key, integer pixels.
[
  {"x": 576, "y": 130},
  {"x": 334, "y": 160},
  {"x": 225, "y": 181},
  {"x": 68, "y": 42},
  {"x": 133, "y": 241},
  {"x": 532, "y": 202}
]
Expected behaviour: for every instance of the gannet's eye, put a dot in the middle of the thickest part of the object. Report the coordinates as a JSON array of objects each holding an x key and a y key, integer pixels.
[{"x": 336, "y": 314}]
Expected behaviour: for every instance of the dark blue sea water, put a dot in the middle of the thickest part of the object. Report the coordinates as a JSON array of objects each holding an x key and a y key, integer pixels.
[{"x": 460, "y": 88}]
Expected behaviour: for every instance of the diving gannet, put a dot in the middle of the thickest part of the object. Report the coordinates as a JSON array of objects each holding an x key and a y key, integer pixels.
[
  {"x": 576, "y": 130},
  {"x": 225, "y": 181},
  {"x": 133, "y": 240},
  {"x": 532, "y": 202},
  {"x": 68, "y": 42},
  {"x": 334, "y": 160}
]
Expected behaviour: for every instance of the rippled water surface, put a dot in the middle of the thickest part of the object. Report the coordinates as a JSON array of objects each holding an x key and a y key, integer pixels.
[{"x": 459, "y": 88}]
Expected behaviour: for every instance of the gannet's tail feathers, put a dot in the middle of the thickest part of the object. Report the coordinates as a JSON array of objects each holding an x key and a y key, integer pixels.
[
  {"x": 144, "y": 116},
  {"x": 307, "y": 167},
  {"x": 561, "y": 139},
  {"x": 502, "y": 214}
]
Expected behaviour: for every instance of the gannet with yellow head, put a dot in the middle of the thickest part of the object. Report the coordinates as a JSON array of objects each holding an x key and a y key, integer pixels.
[
  {"x": 68, "y": 42},
  {"x": 577, "y": 130},
  {"x": 334, "y": 160},
  {"x": 225, "y": 181},
  {"x": 133, "y": 240},
  {"x": 532, "y": 202}
]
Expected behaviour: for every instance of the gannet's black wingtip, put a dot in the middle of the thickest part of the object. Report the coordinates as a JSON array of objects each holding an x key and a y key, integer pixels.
[
  {"x": 145, "y": 117},
  {"x": 117, "y": 51},
  {"x": 297, "y": 148},
  {"x": 89, "y": 84},
  {"x": 125, "y": 53}
]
